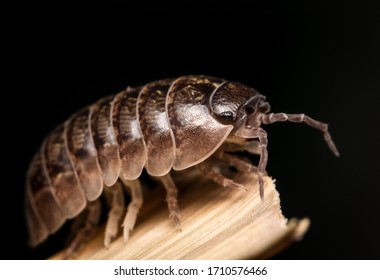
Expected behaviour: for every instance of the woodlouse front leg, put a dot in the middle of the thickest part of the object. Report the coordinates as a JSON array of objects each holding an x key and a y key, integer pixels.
[
  {"x": 299, "y": 118},
  {"x": 135, "y": 190},
  {"x": 84, "y": 227},
  {"x": 235, "y": 161},
  {"x": 258, "y": 133},
  {"x": 262, "y": 135},
  {"x": 171, "y": 198},
  {"x": 206, "y": 168}
]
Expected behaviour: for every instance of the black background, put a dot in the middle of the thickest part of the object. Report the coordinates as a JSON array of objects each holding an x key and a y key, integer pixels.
[{"x": 318, "y": 58}]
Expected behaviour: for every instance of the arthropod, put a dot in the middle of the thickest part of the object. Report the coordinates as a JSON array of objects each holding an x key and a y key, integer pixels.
[{"x": 164, "y": 125}]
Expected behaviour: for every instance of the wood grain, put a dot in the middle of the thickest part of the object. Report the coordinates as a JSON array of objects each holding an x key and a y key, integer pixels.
[{"x": 217, "y": 223}]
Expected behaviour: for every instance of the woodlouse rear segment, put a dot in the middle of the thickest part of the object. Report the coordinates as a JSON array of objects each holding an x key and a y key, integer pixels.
[{"x": 164, "y": 125}]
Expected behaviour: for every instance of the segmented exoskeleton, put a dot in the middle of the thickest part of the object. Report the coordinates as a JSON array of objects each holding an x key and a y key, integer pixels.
[{"x": 167, "y": 124}]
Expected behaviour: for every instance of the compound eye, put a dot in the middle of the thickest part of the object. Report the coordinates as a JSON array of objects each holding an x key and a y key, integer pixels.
[{"x": 227, "y": 115}]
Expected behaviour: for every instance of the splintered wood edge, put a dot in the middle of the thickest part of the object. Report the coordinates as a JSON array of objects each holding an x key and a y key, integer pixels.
[{"x": 217, "y": 223}]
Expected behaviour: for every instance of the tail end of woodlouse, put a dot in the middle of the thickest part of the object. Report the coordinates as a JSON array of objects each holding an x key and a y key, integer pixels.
[{"x": 36, "y": 228}]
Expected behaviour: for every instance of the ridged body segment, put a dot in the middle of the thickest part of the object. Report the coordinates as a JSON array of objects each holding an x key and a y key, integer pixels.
[
  {"x": 155, "y": 126},
  {"x": 45, "y": 215},
  {"x": 64, "y": 182},
  {"x": 196, "y": 132},
  {"x": 105, "y": 140},
  {"x": 84, "y": 154},
  {"x": 128, "y": 134}
]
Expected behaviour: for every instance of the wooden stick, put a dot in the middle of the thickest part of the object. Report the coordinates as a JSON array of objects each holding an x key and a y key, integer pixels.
[{"x": 217, "y": 223}]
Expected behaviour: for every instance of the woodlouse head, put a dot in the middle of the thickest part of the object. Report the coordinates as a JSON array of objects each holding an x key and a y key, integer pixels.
[
  {"x": 245, "y": 109},
  {"x": 235, "y": 104}
]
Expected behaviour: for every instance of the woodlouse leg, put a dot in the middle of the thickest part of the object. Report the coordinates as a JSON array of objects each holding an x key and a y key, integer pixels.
[
  {"x": 171, "y": 198},
  {"x": 263, "y": 143},
  {"x": 299, "y": 118},
  {"x": 206, "y": 168},
  {"x": 89, "y": 224},
  {"x": 135, "y": 190},
  {"x": 233, "y": 160},
  {"x": 115, "y": 198},
  {"x": 259, "y": 133}
]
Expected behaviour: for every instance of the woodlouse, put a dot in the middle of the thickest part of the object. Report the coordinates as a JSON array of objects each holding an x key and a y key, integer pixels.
[{"x": 167, "y": 124}]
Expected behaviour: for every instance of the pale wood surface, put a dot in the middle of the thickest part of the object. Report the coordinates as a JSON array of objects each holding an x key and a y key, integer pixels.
[{"x": 217, "y": 223}]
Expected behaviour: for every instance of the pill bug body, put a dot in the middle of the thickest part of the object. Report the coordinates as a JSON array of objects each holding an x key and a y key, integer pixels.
[{"x": 164, "y": 125}]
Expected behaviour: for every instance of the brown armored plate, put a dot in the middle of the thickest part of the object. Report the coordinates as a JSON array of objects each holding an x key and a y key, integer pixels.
[{"x": 217, "y": 223}]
